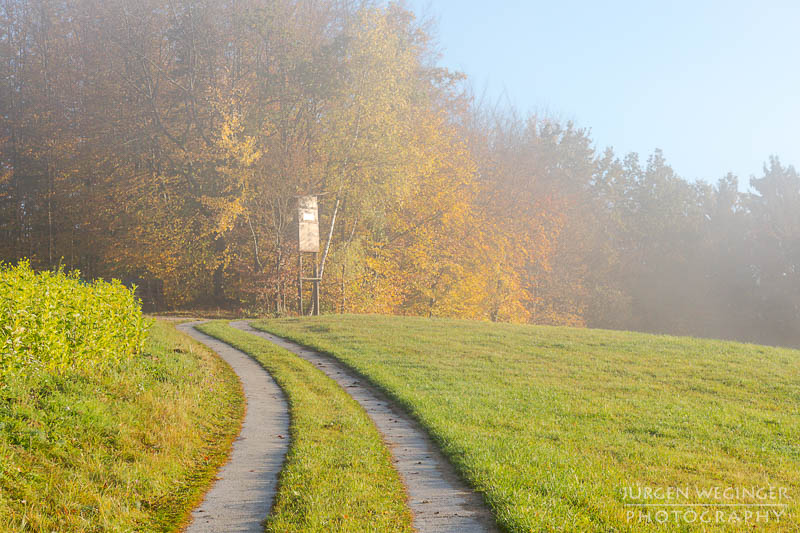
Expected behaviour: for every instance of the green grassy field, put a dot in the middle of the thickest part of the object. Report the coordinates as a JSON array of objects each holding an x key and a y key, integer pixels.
[
  {"x": 554, "y": 424},
  {"x": 131, "y": 448},
  {"x": 338, "y": 475}
]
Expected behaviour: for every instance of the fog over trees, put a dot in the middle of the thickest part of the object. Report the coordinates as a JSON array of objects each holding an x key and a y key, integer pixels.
[{"x": 164, "y": 142}]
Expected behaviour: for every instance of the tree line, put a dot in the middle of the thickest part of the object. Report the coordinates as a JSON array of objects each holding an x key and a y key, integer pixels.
[{"x": 165, "y": 142}]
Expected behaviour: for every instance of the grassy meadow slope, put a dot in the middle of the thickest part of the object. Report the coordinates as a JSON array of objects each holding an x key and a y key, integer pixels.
[
  {"x": 560, "y": 427},
  {"x": 107, "y": 422},
  {"x": 131, "y": 449}
]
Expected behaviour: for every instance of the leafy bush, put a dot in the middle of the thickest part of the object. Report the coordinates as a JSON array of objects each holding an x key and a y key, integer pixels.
[{"x": 56, "y": 322}]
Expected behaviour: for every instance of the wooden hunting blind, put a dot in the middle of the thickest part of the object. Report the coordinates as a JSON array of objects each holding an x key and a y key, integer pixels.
[
  {"x": 308, "y": 224},
  {"x": 308, "y": 242}
]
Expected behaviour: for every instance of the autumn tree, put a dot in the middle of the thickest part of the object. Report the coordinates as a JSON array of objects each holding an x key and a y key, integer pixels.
[{"x": 165, "y": 143}]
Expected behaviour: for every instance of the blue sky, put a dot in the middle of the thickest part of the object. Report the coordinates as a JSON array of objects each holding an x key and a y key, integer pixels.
[{"x": 715, "y": 85}]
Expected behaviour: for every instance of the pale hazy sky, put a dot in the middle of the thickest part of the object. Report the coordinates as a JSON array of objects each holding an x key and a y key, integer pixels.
[{"x": 715, "y": 84}]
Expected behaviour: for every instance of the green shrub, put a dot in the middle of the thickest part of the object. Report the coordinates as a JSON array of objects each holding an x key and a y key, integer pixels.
[{"x": 56, "y": 322}]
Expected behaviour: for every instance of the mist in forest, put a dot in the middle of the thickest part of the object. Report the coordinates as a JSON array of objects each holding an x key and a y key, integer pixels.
[{"x": 166, "y": 143}]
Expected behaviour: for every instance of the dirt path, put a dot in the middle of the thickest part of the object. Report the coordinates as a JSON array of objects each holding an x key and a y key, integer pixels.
[
  {"x": 439, "y": 499},
  {"x": 241, "y": 497}
]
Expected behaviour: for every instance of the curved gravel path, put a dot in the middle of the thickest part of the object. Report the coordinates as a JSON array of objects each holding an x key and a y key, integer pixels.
[
  {"x": 242, "y": 496},
  {"x": 438, "y": 498}
]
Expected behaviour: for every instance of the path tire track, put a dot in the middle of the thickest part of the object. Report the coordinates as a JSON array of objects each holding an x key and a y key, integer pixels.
[
  {"x": 438, "y": 498},
  {"x": 242, "y": 495}
]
